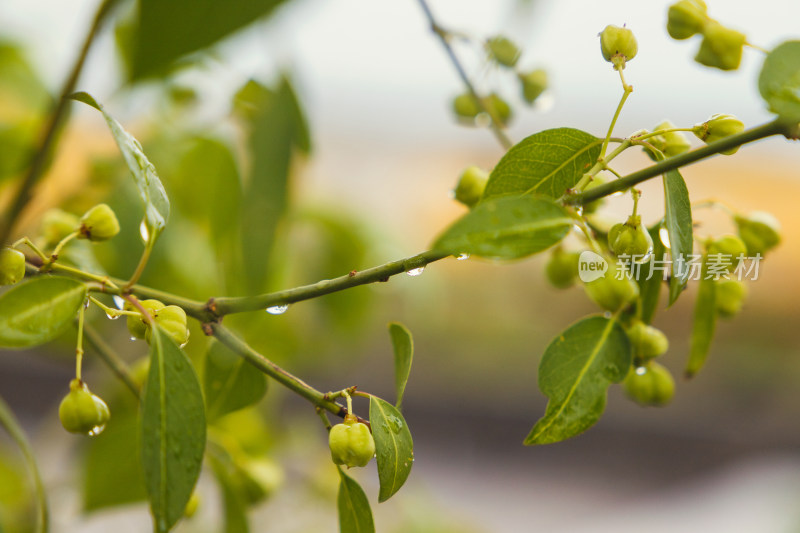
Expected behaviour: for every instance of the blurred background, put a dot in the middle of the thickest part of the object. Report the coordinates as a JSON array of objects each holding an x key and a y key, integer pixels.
[{"x": 375, "y": 87}]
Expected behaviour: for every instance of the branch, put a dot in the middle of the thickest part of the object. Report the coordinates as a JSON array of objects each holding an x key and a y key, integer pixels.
[
  {"x": 110, "y": 358},
  {"x": 223, "y": 306},
  {"x": 293, "y": 383},
  {"x": 443, "y": 35},
  {"x": 776, "y": 127},
  {"x": 50, "y": 132}
]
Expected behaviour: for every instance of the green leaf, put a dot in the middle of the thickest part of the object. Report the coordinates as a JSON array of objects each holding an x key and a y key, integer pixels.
[
  {"x": 151, "y": 191},
  {"x": 546, "y": 163},
  {"x": 12, "y": 426},
  {"x": 355, "y": 516},
  {"x": 173, "y": 430},
  {"x": 38, "y": 310},
  {"x": 169, "y": 29},
  {"x": 403, "y": 356},
  {"x": 266, "y": 192},
  {"x": 510, "y": 227},
  {"x": 678, "y": 220},
  {"x": 779, "y": 81},
  {"x": 230, "y": 383},
  {"x": 650, "y": 289},
  {"x": 575, "y": 373},
  {"x": 394, "y": 447},
  {"x": 703, "y": 325}
]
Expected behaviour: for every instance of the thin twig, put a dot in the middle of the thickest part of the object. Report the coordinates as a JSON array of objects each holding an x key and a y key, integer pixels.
[{"x": 110, "y": 358}]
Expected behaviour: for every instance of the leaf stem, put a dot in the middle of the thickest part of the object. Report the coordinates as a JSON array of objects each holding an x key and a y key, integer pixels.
[
  {"x": 79, "y": 348},
  {"x": 148, "y": 248},
  {"x": 51, "y": 128},
  {"x": 225, "y": 306},
  {"x": 26, "y": 241},
  {"x": 10, "y": 423},
  {"x": 626, "y": 91},
  {"x": 496, "y": 124},
  {"x": 776, "y": 127},
  {"x": 110, "y": 358}
]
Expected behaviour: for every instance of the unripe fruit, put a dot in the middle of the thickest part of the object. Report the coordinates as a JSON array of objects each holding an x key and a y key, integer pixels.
[
  {"x": 81, "y": 411},
  {"x": 99, "y": 224},
  {"x": 351, "y": 443},
  {"x": 718, "y": 127},
  {"x": 258, "y": 479},
  {"x": 630, "y": 239},
  {"x": 651, "y": 384},
  {"x": 466, "y": 106},
  {"x": 611, "y": 293},
  {"x": 618, "y": 45},
  {"x": 729, "y": 297},
  {"x": 726, "y": 252},
  {"x": 562, "y": 268},
  {"x": 12, "y": 266},
  {"x": 57, "y": 224},
  {"x": 503, "y": 50},
  {"x": 470, "y": 186},
  {"x": 499, "y": 108},
  {"x": 686, "y": 18},
  {"x": 137, "y": 325},
  {"x": 647, "y": 342},
  {"x": 172, "y": 320},
  {"x": 534, "y": 83},
  {"x": 760, "y": 232},
  {"x": 669, "y": 143},
  {"x": 721, "y": 47}
]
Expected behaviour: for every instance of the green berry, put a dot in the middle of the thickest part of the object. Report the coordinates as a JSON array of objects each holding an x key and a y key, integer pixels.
[
  {"x": 630, "y": 239},
  {"x": 726, "y": 252},
  {"x": 172, "y": 321},
  {"x": 466, "y": 106},
  {"x": 12, "y": 266},
  {"x": 760, "y": 232},
  {"x": 651, "y": 384},
  {"x": 686, "y": 18},
  {"x": 351, "y": 443},
  {"x": 499, "y": 108},
  {"x": 81, "y": 411},
  {"x": 534, "y": 83},
  {"x": 612, "y": 293},
  {"x": 721, "y": 47},
  {"x": 99, "y": 223},
  {"x": 618, "y": 45},
  {"x": 503, "y": 50},
  {"x": 562, "y": 268},
  {"x": 718, "y": 127},
  {"x": 57, "y": 224},
  {"x": 729, "y": 297},
  {"x": 669, "y": 143},
  {"x": 470, "y": 186},
  {"x": 647, "y": 342},
  {"x": 137, "y": 325}
]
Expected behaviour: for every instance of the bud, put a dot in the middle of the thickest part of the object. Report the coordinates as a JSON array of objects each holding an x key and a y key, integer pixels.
[
  {"x": 631, "y": 239},
  {"x": 137, "y": 324},
  {"x": 651, "y": 385},
  {"x": 351, "y": 443},
  {"x": 503, "y": 50},
  {"x": 614, "y": 291},
  {"x": 81, "y": 411},
  {"x": 669, "y": 143},
  {"x": 57, "y": 224},
  {"x": 466, "y": 106},
  {"x": 729, "y": 297},
  {"x": 470, "y": 186},
  {"x": 12, "y": 266},
  {"x": 718, "y": 127},
  {"x": 534, "y": 83},
  {"x": 726, "y": 252},
  {"x": 647, "y": 342},
  {"x": 99, "y": 224},
  {"x": 618, "y": 45},
  {"x": 760, "y": 232},
  {"x": 172, "y": 321},
  {"x": 499, "y": 108},
  {"x": 721, "y": 47},
  {"x": 562, "y": 268},
  {"x": 686, "y": 18}
]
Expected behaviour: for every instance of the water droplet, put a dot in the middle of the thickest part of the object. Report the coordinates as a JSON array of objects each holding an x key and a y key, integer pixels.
[
  {"x": 119, "y": 301},
  {"x": 144, "y": 232},
  {"x": 395, "y": 423},
  {"x": 95, "y": 431},
  {"x": 112, "y": 317},
  {"x": 416, "y": 271},
  {"x": 664, "y": 234},
  {"x": 607, "y": 314},
  {"x": 462, "y": 257},
  {"x": 133, "y": 339},
  {"x": 640, "y": 371},
  {"x": 277, "y": 309}
]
